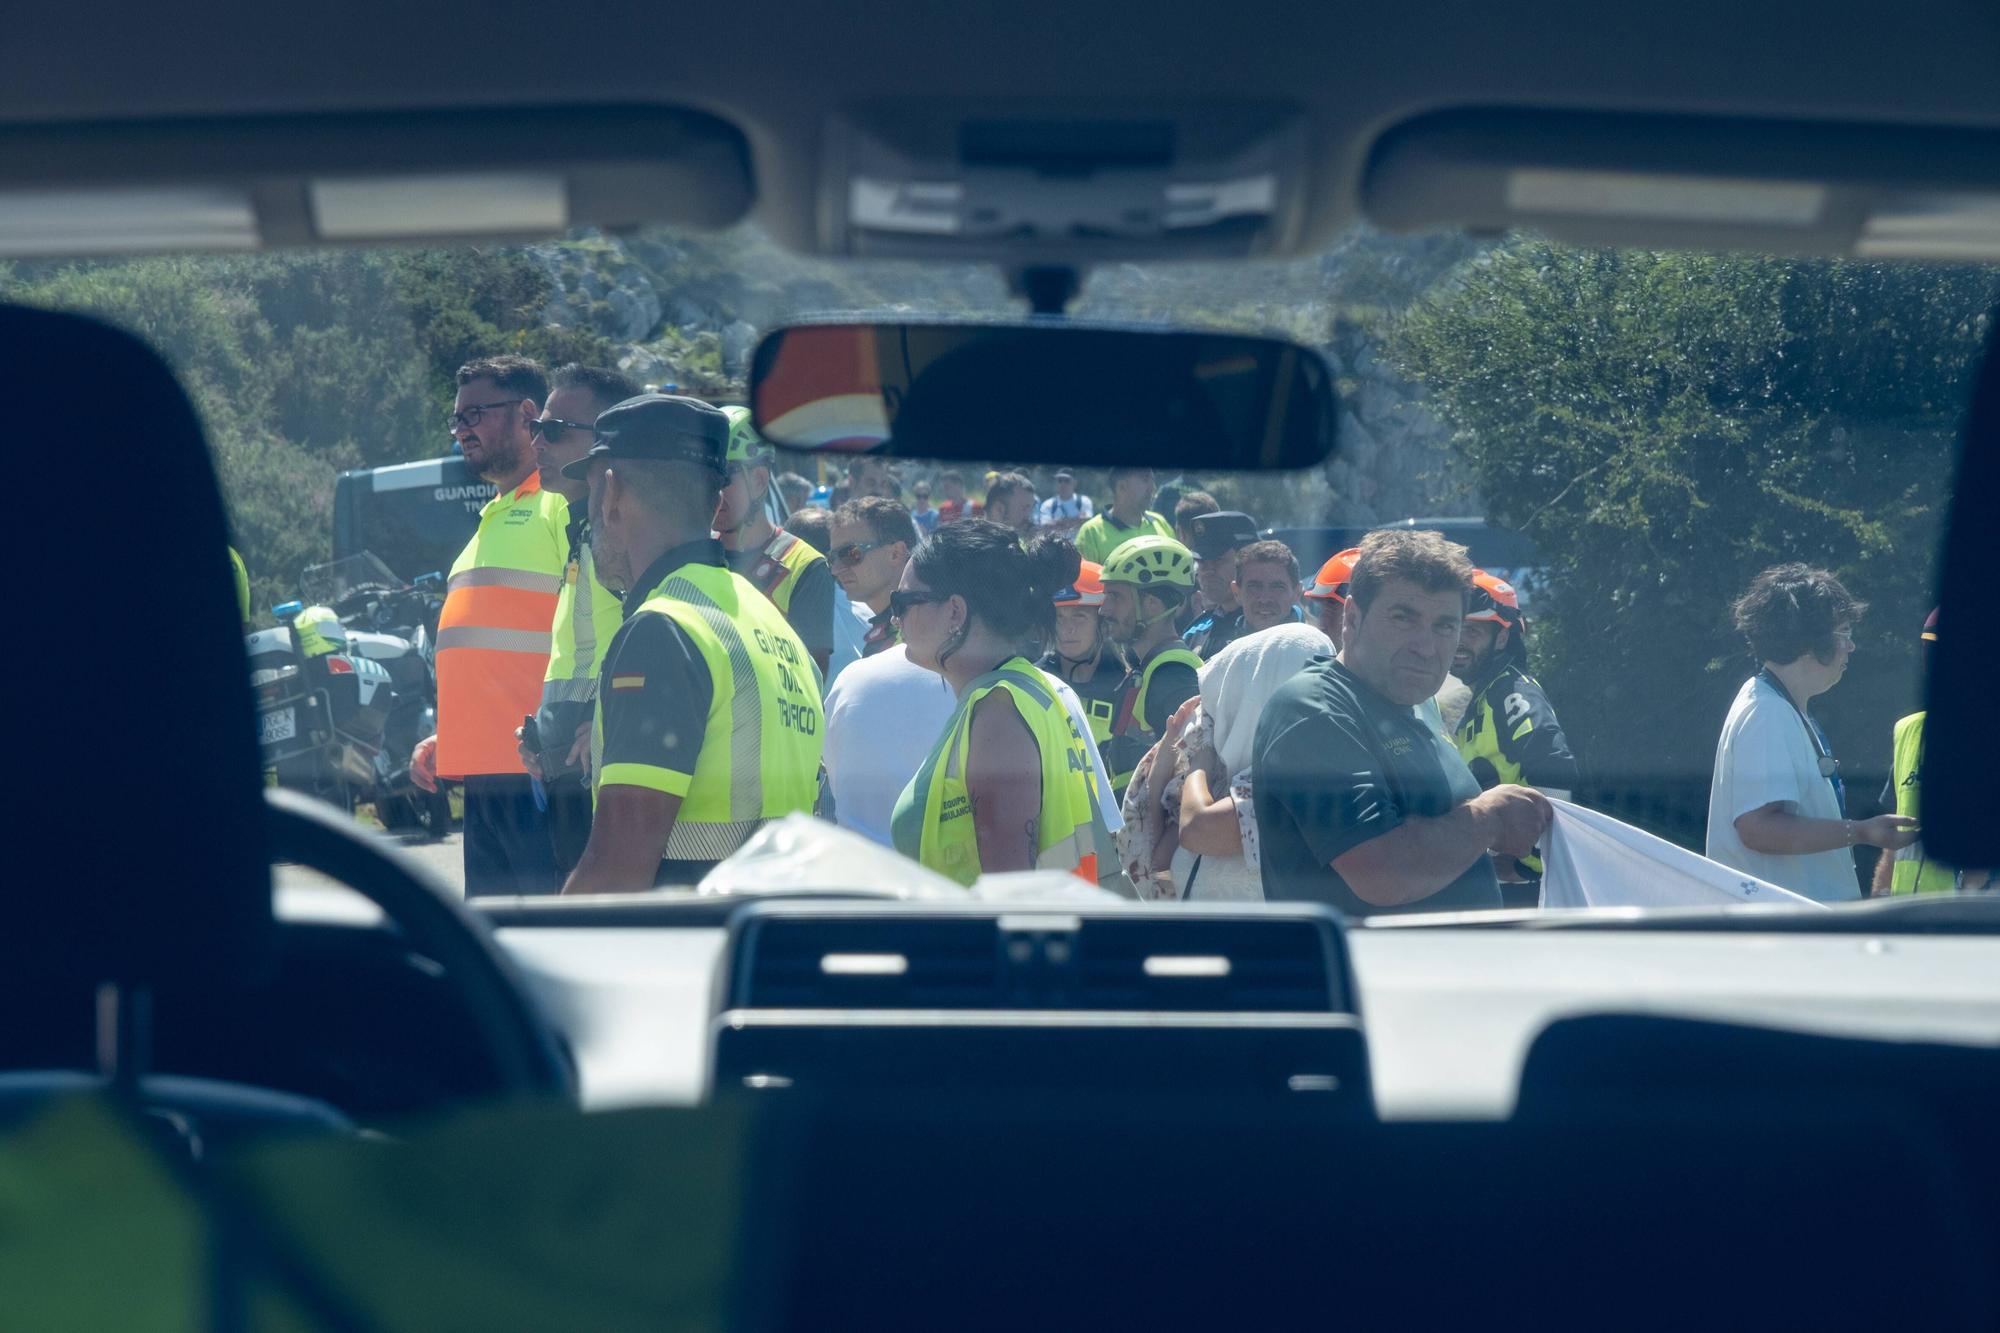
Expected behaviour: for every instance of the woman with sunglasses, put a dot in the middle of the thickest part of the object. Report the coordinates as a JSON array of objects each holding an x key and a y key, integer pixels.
[
  {"x": 1008, "y": 785},
  {"x": 1776, "y": 806}
]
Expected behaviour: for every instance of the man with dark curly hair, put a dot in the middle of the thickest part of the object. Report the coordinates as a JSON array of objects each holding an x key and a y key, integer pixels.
[{"x": 1776, "y": 806}]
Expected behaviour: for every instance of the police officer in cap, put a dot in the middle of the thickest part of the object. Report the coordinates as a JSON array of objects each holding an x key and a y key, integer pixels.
[
  {"x": 1216, "y": 540},
  {"x": 708, "y": 710}
]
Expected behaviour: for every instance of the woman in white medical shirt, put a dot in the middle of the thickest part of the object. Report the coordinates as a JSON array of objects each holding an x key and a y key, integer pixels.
[{"x": 1776, "y": 806}]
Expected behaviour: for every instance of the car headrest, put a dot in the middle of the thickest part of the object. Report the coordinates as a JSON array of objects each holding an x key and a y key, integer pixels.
[{"x": 138, "y": 815}]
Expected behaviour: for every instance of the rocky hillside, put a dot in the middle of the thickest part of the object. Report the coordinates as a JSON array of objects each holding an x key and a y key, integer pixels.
[{"x": 688, "y": 310}]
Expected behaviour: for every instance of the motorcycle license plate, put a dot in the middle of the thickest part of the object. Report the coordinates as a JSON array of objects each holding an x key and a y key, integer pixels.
[{"x": 280, "y": 724}]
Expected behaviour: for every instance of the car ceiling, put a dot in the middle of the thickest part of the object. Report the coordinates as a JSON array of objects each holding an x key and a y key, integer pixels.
[{"x": 1342, "y": 76}]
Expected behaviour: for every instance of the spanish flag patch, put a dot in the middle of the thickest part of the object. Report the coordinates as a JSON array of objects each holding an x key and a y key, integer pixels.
[{"x": 628, "y": 682}]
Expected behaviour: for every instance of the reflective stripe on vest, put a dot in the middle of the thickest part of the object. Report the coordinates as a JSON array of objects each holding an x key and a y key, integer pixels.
[
  {"x": 1478, "y": 738},
  {"x": 498, "y": 640},
  {"x": 933, "y": 821},
  {"x": 493, "y": 635},
  {"x": 1913, "y": 872},
  {"x": 760, "y": 746},
  {"x": 777, "y": 573},
  {"x": 1478, "y": 742},
  {"x": 585, "y": 609}
]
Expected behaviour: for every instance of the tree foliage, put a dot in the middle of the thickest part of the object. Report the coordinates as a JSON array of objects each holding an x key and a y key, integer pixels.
[
  {"x": 301, "y": 365},
  {"x": 1662, "y": 425},
  {"x": 1666, "y": 425}
]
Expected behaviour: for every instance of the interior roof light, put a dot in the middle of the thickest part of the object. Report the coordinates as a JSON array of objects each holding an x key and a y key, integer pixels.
[{"x": 454, "y": 204}]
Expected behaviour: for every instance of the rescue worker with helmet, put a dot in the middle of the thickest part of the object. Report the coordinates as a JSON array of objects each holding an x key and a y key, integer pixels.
[
  {"x": 708, "y": 719},
  {"x": 1009, "y": 785},
  {"x": 1082, "y": 655},
  {"x": 1509, "y": 735},
  {"x": 1146, "y": 580},
  {"x": 781, "y": 565},
  {"x": 1328, "y": 593},
  {"x": 1908, "y": 869},
  {"x": 493, "y": 637}
]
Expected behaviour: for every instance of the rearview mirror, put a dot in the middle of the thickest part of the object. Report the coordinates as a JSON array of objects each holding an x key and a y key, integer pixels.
[{"x": 1044, "y": 391}]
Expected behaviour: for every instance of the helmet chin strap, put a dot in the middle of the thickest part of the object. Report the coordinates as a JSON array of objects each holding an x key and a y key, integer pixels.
[
  {"x": 1096, "y": 647},
  {"x": 1140, "y": 624}
]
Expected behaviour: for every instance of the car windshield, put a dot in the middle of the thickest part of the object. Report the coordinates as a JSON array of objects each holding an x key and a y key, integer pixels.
[{"x": 1705, "y": 494}]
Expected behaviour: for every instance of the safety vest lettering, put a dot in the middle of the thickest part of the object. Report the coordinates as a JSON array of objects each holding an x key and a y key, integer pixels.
[{"x": 800, "y": 717}]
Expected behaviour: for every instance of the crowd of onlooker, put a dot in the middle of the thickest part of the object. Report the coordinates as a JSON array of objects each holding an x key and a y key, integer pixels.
[
  {"x": 1139, "y": 688},
  {"x": 1368, "y": 735}
]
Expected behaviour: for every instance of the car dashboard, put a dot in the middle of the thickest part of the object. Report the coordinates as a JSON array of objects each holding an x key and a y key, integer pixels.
[{"x": 1449, "y": 1012}]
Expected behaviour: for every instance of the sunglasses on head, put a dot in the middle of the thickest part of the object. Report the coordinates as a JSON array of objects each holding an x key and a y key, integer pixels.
[{"x": 901, "y": 600}]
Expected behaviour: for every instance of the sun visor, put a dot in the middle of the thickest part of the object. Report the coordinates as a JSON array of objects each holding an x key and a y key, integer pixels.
[
  {"x": 1786, "y": 187},
  {"x": 408, "y": 177}
]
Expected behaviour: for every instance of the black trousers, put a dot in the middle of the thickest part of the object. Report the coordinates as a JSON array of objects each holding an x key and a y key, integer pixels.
[
  {"x": 507, "y": 848},
  {"x": 569, "y": 819}
]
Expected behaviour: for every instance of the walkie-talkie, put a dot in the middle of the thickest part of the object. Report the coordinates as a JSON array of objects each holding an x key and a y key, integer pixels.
[{"x": 531, "y": 737}]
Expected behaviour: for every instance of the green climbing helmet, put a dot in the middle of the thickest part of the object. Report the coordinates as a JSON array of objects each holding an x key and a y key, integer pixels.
[
  {"x": 1150, "y": 562},
  {"x": 745, "y": 444}
]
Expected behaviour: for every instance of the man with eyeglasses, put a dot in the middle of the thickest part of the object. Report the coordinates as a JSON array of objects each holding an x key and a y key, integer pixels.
[
  {"x": 493, "y": 638},
  {"x": 872, "y": 541},
  {"x": 781, "y": 565},
  {"x": 588, "y": 610}
]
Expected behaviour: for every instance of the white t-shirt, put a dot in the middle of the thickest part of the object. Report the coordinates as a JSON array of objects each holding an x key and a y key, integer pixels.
[
  {"x": 850, "y": 628},
  {"x": 883, "y": 715},
  {"x": 1055, "y": 509},
  {"x": 1766, "y": 754}
]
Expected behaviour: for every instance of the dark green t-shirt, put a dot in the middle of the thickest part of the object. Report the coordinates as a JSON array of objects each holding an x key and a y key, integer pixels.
[{"x": 1335, "y": 764}]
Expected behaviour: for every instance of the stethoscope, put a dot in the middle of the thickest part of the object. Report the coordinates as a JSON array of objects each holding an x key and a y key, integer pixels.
[{"x": 1829, "y": 767}]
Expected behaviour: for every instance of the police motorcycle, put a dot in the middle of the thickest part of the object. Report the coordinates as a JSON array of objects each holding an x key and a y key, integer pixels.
[{"x": 346, "y": 688}]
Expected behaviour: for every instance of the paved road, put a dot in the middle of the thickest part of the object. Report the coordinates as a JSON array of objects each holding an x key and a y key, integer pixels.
[{"x": 444, "y": 860}]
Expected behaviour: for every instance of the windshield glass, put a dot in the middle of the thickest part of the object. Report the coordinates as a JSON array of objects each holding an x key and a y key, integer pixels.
[{"x": 1704, "y": 492}]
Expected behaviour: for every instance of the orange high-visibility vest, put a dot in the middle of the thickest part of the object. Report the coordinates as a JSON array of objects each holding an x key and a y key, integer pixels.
[{"x": 493, "y": 635}]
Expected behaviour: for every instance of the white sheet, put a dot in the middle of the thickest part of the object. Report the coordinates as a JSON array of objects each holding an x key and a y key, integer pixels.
[{"x": 1592, "y": 860}]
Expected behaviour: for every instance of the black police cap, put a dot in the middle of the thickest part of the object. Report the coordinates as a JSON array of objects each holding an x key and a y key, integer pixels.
[
  {"x": 1220, "y": 533},
  {"x": 662, "y": 426}
]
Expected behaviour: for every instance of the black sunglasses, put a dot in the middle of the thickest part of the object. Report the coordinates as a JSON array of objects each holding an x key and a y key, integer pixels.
[
  {"x": 901, "y": 600},
  {"x": 555, "y": 429}
]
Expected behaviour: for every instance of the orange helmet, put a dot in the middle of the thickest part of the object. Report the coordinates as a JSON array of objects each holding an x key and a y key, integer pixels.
[
  {"x": 1088, "y": 590},
  {"x": 1330, "y": 584},
  {"x": 1492, "y": 598}
]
